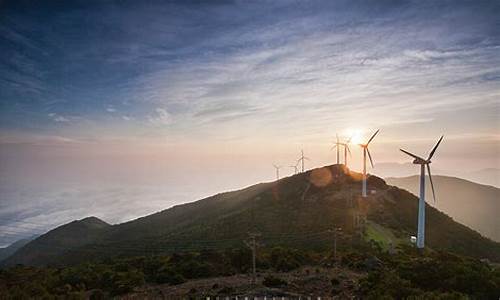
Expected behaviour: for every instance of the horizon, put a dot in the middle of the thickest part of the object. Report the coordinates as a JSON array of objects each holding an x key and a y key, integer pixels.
[{"x": 123, "y": 108}]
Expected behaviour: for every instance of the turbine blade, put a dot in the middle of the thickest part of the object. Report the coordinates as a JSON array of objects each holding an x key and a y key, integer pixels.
[
  {"x": 410, "y": 154},
  {"x": 435, "y": 147},
  {"x": 369, "y": 156},
  {"x": 373, "y": 136},
  {"x": 307, "y": 158},
  {"x": 432, "y": 184},
  {"x": 348, "y": 150},
  {"x": 349, "y": 140},
  {"x": 337, "y": 137},
  {"x": 333, "y": 147}
]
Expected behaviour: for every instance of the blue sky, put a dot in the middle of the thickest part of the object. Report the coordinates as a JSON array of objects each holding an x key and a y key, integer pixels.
[{"x": 228, "y": 87}]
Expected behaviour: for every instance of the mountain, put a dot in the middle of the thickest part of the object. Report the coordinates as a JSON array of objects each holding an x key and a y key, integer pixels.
[
  {"x": 46, "y": 248},
  {"x": 393, "y": 169},
  {"x": 488, "y": 176},
  {"x": 9, "y": 250},
  {"x": 469, "y": 203},
  {"x": 296, "y": 211}
]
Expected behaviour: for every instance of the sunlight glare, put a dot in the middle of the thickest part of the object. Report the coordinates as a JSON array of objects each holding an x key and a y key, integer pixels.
[{"x": 356, "y": 134}]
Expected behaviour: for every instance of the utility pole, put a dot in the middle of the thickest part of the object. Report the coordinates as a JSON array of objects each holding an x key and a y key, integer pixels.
[{"x": 252, "y": 244}]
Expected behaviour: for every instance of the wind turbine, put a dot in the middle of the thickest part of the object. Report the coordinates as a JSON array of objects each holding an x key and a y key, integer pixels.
[
  {"x": 302, "y": 158},
  {"x": 277, "y": 171},
  {"x": 365, "y": 150},
  {"x": 346, "y": 149},
  {"x": 337, "y": 145},
  {"x": 421, "y": 202},
  {"x": 295, "y": 168}
]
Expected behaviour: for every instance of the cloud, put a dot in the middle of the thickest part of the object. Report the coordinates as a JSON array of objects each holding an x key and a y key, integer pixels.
[
  {"x": 161, "y": 117},
  {"x": 58, "y": 118},
  {"x": 202, "y": 61}
]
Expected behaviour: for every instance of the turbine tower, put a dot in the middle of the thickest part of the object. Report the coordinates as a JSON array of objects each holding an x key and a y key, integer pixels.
[
  {"x": 346, "y": 149},
  {"x": 365, "y": 150},
  {"x": 301, "y": 159},
  {"x": 277, "y": 171},
  {"x": 337, "y": 145},
  {"x": 421, "y": 202}
]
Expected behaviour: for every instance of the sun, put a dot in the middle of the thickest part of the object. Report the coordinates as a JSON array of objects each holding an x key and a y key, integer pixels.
[{"x": 356, "y": 135}]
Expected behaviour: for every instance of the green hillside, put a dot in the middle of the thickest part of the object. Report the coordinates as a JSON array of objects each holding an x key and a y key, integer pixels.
[
  {"x": 47, "y": 248},
  {"x": 472, "y": 204},
  {"x": 296, "y": 211}
]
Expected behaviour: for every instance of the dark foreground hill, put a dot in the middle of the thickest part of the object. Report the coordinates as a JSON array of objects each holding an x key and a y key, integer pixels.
[
  {"x": 11, "y": 249},
  {"x": 46, "y": 248},
  {"x": 296, "y": 211},
  {"x": 469, "y": 203}
]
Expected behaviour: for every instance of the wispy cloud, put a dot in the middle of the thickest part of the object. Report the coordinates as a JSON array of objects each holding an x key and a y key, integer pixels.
[
  {"x": 58, "y": 118},
  {"x": 161, "y": 117},
  {"x": 202, "y": 67}
]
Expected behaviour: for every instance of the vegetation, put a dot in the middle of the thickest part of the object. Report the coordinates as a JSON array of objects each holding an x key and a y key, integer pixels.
[
  {"x": 271, "y": 281},
  {"x": 435, "y": 275},
  {"x": 439, "y": 275}
]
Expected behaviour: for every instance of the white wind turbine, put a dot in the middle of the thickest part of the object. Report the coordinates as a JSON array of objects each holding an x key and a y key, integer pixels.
[
  {"x": 365, "y": 150},
  {"x": 337, "y": 145},
  {"x": 301, "y": 159},
  {"x": 421, "y": 202},
  {"x": 346, "y": 149},
  {"x": 277, "y": 171}
]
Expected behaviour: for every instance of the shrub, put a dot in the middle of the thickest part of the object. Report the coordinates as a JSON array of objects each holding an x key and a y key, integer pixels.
[
  {"x": 271, "y": 281},
  {"x": 168, "y": 275}
]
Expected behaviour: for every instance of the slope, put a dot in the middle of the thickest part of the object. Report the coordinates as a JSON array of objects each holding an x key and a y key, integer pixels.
[
  {"x": 12, "y": 248},
  {"x": 46, "y": 248},
  {"x": 469, "y": 203}
]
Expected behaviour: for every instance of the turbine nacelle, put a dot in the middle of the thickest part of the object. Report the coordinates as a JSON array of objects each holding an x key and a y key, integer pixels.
[{"x": 419, "y": 161}]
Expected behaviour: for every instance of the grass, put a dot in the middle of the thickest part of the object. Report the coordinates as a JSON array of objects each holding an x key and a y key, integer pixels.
[{"x": 381, "y": 235}]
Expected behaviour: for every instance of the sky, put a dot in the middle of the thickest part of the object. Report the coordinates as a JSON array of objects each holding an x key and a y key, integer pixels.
[{"x": 122, "y": 108}]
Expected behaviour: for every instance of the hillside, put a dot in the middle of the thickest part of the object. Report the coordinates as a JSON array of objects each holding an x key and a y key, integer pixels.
[
  {"x": 12, "y": 248},
  {"x": 469, "y": 203},
  {"x": 489, "y": 176},
  {"x": 296, "y": 211},
  {"x": 46, "y": 248}
]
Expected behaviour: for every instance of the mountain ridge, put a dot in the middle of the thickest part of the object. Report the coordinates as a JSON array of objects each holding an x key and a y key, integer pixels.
[
  {"x": 297, "y": 211},
  {"x": 12, "y": 248},
  {"x": 49, "y": 246}
]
